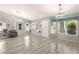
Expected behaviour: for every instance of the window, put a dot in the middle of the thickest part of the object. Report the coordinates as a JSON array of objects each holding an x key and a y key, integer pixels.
[
  {"x": 27, "y": 27},
  {"x": 1, "y": 27},
  {"x": 0, "y": 24},
  {"x": 20, "y": 26},
  {"x": 61, "y": 26},
  {"x": 53, "y": 27}
]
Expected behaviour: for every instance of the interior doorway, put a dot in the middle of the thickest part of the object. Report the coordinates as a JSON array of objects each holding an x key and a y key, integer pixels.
[{"x": 20, "y": 27}]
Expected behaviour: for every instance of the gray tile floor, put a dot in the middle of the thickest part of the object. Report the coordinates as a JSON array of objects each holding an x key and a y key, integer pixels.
[{"x": 34, "y": 44}]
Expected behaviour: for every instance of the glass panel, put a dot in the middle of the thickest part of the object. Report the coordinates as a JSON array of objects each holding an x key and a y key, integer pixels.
[
  {"x": 0, "y": 24},
  {"x": 53, "y": 27},
  {"x": 61, "y": 26},
  {"x": 20, "y": 26}
]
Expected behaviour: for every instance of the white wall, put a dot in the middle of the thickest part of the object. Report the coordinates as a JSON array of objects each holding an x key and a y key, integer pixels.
[{"x": 45, "y": 28}]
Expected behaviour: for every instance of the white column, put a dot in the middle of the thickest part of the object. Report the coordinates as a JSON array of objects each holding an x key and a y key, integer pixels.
[{"x": 45, "y": 27}]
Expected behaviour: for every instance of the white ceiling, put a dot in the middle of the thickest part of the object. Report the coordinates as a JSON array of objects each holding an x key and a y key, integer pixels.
[{"x": 36, "y": 11}]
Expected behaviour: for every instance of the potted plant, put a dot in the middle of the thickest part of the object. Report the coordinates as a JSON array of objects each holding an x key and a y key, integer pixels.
[{"x": 71, "y": 27}]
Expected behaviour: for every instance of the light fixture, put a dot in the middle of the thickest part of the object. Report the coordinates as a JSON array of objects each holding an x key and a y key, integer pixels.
[{"x": 60, "y": 12}]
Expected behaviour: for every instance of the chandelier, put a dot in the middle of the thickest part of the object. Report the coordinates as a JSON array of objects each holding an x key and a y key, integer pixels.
[{"x": 60, "y": 12}]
